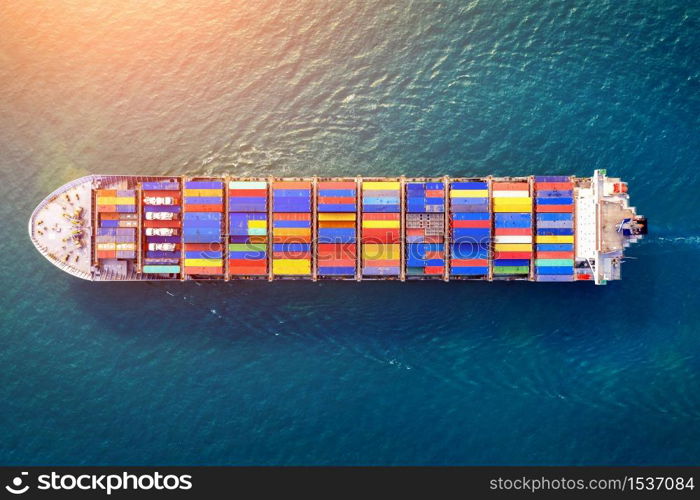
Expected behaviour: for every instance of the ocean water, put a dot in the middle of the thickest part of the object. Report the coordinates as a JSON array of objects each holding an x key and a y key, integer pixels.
[{"x": 348, "y": 373}]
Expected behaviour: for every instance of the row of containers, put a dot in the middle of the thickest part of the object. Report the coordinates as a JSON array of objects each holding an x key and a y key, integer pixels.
[
  {"x": 554, "y": 207},
  {"x": 425, "y": 229},
  {"x": 381, "y": 228},
  {"x": 162, "y": 227},
  {"x": 116, "y": 223},
  {"x": 202, "y": 227},
  {"x": 490, "y": 227}
]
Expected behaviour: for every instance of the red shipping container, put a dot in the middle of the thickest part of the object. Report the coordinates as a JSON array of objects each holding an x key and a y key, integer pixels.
[
  {"x": 434, "y": 270},
  {"x": 471, "y": 223},
  {"x": 512, "y": 255},
  {"x": 415, "y": 232},
  {"x": 555, "y": 255},
  {"x": 201, "y": 247},
  {"x": 161, "y": 223},
  {"x": 510, "y": 186},
  {"x": 340, "y": 200},
  {"x": 247, "y": 193},
  {"x": 469, "y": 262},
  {"x": 554, "y": 186},
  {"x": 326, "y": 262},
  {"x": 584, "y": 277},
  {"x": 248, "y": 262},
  {"x": 380, "y": 216},
  {"x": 434, "y": 193},
  {"x": 203, "y": 208},
  {"x": 291, "y": 216},
  {"x": 169, "y": 194},
  {"x": 106, "y": 254},
  {"x": 435, "y": 255},
  {"x": 109, "y": 216},
  {"x": 337, "y": 185},
  {"x": 555, "y": 208},
  {"x": 513, "y": 231},
  {"x": 291, "y": 185},
  {"x": 249, "y": 271},
  {"x": 380, "y": 235},
  {"x": 342, "y": 248},
  {"x": 106, "y": 208}
]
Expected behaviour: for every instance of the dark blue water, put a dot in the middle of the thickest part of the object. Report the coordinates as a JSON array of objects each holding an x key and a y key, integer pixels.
[{"x": 348, "y": 373}]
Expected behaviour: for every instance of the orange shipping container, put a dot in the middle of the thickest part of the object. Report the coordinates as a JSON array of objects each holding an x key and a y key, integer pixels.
[
  {"x": 291, "y": 216},
  {"x": 555, "y": 208},
  {"x": 380, "y": 216},
  {"x": 204, "y": 270}
]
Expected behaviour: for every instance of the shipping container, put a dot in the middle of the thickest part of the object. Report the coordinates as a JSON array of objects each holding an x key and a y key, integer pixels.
[{"x": 470, "y": 229}]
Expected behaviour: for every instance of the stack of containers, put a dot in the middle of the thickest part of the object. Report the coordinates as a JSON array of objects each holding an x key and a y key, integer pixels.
[
  {"x": 168, "y": 217},
  {"x": 291, "y": 228},
  {"x": 116, "y": 233},
  {"x": 247, "y": 249},
  {"x": 471, "y": 229},
  {"x": 336, "y": 252},
  {"x": 512, "y": 206},
  {"x": 555, "y": 229},
  {"x": 202, "y": 231},
  {"x": 381, "y": 228},
  {"x": 116, "y": 200},
  {"x": 425, "y": 228}
]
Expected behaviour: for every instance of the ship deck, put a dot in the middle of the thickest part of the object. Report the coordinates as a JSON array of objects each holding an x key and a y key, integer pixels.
[{"x": 61, "y": 229}]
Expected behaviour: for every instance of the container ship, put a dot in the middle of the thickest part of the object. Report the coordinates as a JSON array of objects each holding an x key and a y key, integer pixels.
[{"x": 168, "y": 228}]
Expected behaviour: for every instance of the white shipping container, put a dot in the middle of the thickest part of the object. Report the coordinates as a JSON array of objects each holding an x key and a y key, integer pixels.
[
  {"x": 512, "y": 239},
  {"x": 511, "y": 194}
]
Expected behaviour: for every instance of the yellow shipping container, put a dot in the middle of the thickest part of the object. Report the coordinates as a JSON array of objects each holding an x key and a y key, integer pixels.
[
  {"x": 204, "y": 262},
  {"x": 469, "y": 193},
  {"x": 512, "y": 204},
  {"x": 513, "y": 247},
  {"x": 379, "y": 251},
  {"x": 126, "y": 246},
  {"x": 380, "y": 185},
  {"x": 291, "y": 266},
  {"x": 336, "y": 216},
  {"x": 202, "y": 192},
  {"x": 106, "y": 246},
  {"x": 258, "y": 224},
  {"x": 291, "y": 231},
  {"x": 381, "y": 223},
  {"x": 113, "y": 200},
  {"x": 555, "y": 239}
]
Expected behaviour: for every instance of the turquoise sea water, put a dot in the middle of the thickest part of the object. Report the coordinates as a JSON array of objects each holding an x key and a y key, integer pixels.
[{"x": 348, "y": 373}]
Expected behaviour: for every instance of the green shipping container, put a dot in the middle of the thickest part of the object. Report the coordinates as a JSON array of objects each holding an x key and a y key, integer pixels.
[
  {"x": 247, "y": 247},
  {"x": 511, "y": 269},
  {"x": 555, "y": 262},
  {"x": 161, "y": 269}
]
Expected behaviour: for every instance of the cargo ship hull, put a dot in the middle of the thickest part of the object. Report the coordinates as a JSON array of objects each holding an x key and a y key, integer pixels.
[{"x": 165, "y": 228}]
